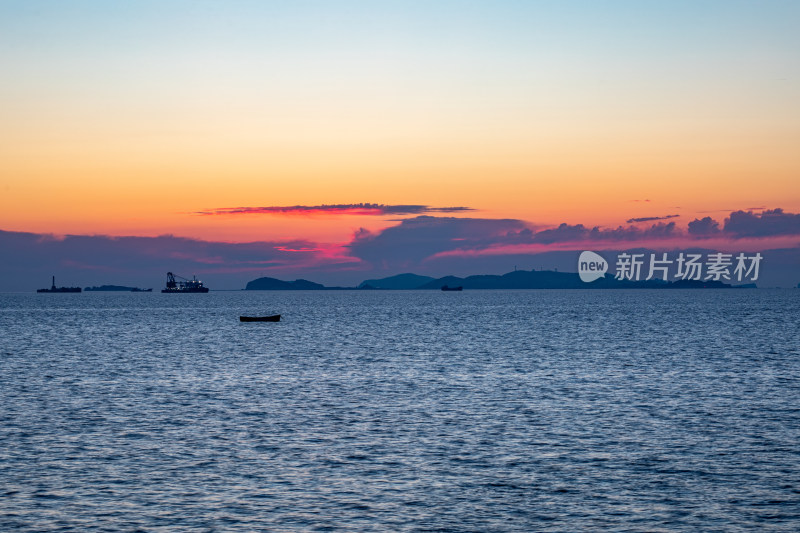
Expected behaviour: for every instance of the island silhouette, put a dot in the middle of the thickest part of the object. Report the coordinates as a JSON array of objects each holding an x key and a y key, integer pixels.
[{"x": 517, "y": 279}]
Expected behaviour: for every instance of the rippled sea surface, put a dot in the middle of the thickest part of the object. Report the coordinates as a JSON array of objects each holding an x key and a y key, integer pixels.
[{"x": 671, "y": 410}]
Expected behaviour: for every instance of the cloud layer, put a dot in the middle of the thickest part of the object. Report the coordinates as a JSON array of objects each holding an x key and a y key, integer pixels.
[
  {"x": 417, "y": 238},
  {"x": 650, "y": 219},
  {"x": 424, "y": 244},
  {"x": 767, "y": 223},
  {"x": 362, "y": 209},
  {"x": 743, "y": 224}
]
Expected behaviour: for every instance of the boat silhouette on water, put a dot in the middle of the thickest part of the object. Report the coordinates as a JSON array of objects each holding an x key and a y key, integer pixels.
[
  {"x": 186, "y": 285},
  {"x": 270, "y": 318},
  {"x": 446, "y": 288},
  {"x": 53, "y": 288}
]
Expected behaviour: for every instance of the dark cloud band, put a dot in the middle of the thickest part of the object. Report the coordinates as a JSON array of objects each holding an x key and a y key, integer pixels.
[
  {"x": 363, "y": 209},
  {"x": 650, "y": 219},
  {"x": 768, "y": 223}
]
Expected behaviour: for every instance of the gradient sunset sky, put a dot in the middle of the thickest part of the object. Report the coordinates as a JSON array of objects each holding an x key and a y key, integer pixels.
[{"x": 152, "y": 118}]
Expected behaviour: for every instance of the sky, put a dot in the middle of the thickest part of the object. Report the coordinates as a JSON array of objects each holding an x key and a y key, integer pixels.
[{"x": 308, "y": 129}]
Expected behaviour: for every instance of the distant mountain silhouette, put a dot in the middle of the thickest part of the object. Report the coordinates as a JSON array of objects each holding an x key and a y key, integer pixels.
[
  {"x": 549, "y": 279},
  {"x": 400, "y": 281},
  {"x": 272, "y": 284},
  {"x": 518, "y": 279},
  {"x": 114, "y": 288},
  {"x": 700, "y": 284}
]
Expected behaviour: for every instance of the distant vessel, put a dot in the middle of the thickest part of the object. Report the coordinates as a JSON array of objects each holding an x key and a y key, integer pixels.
[
  {"x": 137, "y": 289},
  {"x": 59, "y": 289},
  {"x": 446, "y": 288},
  {"x": 271, "y": 318},
  {"x": 187, "y": 285}
]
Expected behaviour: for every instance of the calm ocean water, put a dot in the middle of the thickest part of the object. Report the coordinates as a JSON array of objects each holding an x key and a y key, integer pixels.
[{"x": 401, "y": 411}]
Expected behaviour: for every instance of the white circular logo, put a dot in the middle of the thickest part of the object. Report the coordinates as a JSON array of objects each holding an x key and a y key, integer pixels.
[{"x": 591, "y": 266}]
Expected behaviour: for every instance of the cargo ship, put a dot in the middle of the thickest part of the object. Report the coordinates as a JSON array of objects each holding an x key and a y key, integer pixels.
[
  {"x": 446, "y": 288},
  {"x": 186, "y": 285},
  {"x": 53, "y": 288}
]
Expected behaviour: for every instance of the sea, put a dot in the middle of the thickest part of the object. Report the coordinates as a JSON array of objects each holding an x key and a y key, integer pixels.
[{"x": 525, "y": 410}]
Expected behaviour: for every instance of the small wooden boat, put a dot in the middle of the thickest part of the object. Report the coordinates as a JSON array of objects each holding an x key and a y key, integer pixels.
[
  {"x": 271, "y": 318},
  {"x": 446, "y": 288}
]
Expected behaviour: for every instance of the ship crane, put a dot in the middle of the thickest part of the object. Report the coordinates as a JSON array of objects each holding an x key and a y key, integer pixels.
[{"x": 187, "y": 285}]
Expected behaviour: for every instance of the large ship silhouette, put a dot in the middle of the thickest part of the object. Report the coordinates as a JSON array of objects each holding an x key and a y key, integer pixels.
[{"x": 186, "y": 285}]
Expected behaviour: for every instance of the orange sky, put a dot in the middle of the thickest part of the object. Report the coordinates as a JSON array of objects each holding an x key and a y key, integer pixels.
[{"x": 128, "y": 122}]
